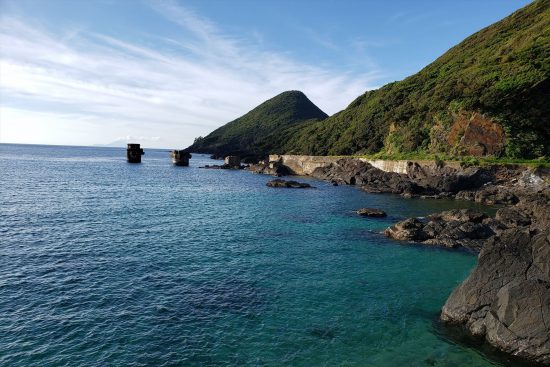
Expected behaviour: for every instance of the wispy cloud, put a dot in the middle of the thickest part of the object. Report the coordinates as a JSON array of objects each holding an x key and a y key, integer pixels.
[
  {"x": 396, "y": 17},
  {"x": 318, "y": 38},
  {"x": 178, "y": 89}
]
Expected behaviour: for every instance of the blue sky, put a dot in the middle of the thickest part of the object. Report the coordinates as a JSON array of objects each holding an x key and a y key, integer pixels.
[{"x": 161, "y": 73}]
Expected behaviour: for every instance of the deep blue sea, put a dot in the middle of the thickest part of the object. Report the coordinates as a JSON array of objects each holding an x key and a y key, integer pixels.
[{"x": 105, "y": 263}]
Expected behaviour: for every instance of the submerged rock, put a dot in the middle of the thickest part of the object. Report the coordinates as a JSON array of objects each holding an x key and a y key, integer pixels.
[
  {"x": 371, "y": 212},
  {"x": 288, "y": 184},
  {"x": 506, "y": 298}
]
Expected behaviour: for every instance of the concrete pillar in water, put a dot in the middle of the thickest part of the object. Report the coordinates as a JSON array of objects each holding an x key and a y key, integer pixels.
[
  {"x": 134, "y": 153},
  {"x": 232, "y": 161},
  {"x": 180, "y": 157}
]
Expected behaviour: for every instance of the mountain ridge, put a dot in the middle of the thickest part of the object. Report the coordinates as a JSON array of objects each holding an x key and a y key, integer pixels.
[{"x": 250, "y": 134}]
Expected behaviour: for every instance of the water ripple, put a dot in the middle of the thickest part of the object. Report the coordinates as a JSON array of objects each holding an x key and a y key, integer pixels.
[{"x": 108, "y": 263}]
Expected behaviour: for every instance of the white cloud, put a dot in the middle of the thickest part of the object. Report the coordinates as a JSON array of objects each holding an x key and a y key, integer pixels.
[{"x": 181, "y": 88}]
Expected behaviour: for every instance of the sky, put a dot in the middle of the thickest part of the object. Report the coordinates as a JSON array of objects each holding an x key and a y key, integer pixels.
[{"x": 163, "y": 72}]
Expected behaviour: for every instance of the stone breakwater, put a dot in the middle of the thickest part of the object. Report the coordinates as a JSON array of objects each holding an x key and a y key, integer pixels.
[
  {"x": 400, "y": 177},
  {"x": 305, "y": 165},
  {"x": 505, "y": 301}
]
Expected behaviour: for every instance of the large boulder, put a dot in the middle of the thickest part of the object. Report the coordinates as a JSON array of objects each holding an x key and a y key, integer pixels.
[{"x": 506, "y": 298}]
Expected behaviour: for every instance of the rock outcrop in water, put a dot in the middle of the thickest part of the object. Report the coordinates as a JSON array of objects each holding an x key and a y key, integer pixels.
[
  {"x": 506, "y": 298},
  {"x": 275, "y": 168},
  {"x": 371, "y": 212},
  {"x": 288, "y": 184},
  {"x": 454, "y": 228}
]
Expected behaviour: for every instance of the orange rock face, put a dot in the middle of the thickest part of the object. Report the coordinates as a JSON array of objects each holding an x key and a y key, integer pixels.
[{"x": 477, "y": 135}]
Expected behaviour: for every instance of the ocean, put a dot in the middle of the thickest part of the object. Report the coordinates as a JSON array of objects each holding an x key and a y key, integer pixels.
[{"x": 106, "y": 263}]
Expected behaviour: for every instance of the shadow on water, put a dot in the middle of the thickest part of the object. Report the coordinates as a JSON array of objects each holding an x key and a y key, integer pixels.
[
  {"x": 457, "y": 335},
  {"x": 323, "y": 332}
]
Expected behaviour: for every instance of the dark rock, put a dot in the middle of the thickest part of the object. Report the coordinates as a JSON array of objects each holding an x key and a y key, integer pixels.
[
  {"x": 495, "y": 225},
  {"x": 371, "y": 212},
  {"x": 356, "y": 172},
  {"x": 222, "y": 166},
  {"x": 492, "y": 195},
  {"x": 536, "y": 206},
  {"x": 462, "y": 215},
  {"x": 506, "y": 298},
  {"x": 453, "y": 228},
  {"x": 288, "y": 184},
  {"x": 466, "y": 195},
  {"x": 512, "y": 217},
  {"x": 431, "y": 182},
  {"x": 447, "y": 179},
  {"x": 408, "y": 230},
  {"x": 270, "y": 168}
]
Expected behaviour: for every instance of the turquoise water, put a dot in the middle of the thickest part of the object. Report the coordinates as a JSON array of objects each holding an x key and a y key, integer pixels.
[{"x": 105, "y": 263}]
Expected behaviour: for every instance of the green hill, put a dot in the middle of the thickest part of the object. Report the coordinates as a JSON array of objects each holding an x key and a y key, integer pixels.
[
  {"x": 260, "y": 131},
  {"x": 489, "y": 95}
]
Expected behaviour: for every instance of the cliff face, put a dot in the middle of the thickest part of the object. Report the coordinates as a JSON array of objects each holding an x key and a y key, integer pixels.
[
  {"x": 506, "y": 298},
  {"x": 476, "y": 135}
]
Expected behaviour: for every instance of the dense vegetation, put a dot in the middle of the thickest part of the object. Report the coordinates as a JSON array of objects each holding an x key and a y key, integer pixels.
[
  {"x": 259, "y": 131},
  {"x": 501, "y": 73}
]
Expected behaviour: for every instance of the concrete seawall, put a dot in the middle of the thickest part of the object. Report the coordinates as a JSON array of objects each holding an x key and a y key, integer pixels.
[{"x": 304, "y": 165}]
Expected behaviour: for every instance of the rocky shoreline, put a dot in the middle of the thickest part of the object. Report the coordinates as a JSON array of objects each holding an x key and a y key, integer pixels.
[{"x": 505, "y": 301}]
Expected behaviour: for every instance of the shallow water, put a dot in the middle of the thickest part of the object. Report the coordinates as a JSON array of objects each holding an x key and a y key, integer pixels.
[{"x": 108, "y": 263}]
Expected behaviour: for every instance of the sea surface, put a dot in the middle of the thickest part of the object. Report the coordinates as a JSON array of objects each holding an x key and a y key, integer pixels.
[{"x": 105, "y": 263}]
